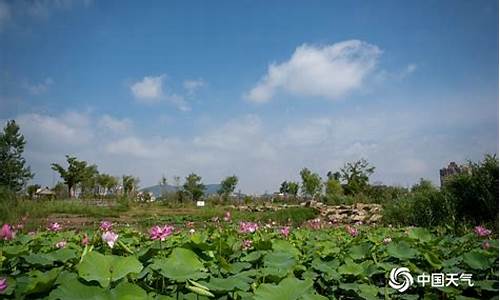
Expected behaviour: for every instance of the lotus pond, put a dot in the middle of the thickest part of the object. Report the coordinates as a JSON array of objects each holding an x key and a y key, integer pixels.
[{"x": 223, "y": 260}]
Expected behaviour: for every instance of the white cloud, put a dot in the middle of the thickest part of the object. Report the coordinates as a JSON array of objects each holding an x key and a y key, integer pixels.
[
  {"x": 115, "y": 125},
  {"x": 40, "y": 88},
  {"x": 129, "y": 146},
  {"x": 151, "y": 90},
  {"x": 264, "y": 152},
  {"x": 331, "y": 71},
  {"x": 192, "y": 86},
  {"x": 67, "y": 130}
]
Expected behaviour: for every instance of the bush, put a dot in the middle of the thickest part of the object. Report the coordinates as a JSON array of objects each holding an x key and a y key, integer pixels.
[
  {"x": 474, "y": 194},
  {"x": 424, "y": 206}
]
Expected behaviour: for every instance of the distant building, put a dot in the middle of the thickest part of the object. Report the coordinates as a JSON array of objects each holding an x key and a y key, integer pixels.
[
  {"x": 45, "y": 193},
  {"x": 451, "y": 170}
]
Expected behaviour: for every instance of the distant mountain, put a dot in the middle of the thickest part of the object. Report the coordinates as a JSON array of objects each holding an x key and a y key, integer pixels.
[{"x": 157, "y": 190}]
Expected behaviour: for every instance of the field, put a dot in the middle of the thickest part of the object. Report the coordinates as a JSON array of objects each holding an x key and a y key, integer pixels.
[{"x": 228, "y": 258}]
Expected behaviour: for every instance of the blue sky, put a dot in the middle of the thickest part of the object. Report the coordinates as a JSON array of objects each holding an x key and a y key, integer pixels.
[{"x": 255, "y": 88}]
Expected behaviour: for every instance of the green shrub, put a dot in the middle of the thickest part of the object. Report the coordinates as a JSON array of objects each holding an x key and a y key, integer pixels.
[
  {"x": 474, "y": 194},
  {"x": 424, "y": 206}
]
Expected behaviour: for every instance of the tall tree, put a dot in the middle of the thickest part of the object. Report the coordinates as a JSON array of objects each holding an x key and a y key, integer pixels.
[
  {"x": 194, "y": 187},
  {"x": 130, "y": 184},
  {"x": 356, "y": 175},
  {"x": 76, "y": 172},
  {"x": 106, "y": 183},
  {"x": 13, "y": 170},
  {"x": 227, "y": 186},
  {"x": 293, "y": 188},
  {"x": 311, "y": 183}
]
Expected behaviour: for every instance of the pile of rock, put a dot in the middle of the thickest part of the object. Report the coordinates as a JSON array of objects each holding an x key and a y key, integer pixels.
[{"x": 348, "y": 214}]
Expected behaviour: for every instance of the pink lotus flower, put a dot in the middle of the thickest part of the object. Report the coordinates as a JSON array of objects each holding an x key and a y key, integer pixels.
[
  {"x": 387, "y": 240},
  {"x": 106, "y": 226},
  {"x": 352, "y": 231},
  {"x": 248, "y": 227},
  {"x": 160, "y": 233},
  {"x": 3, "y": 284},
  {"x": 6, "y": 233},
  {"x": 227, "y": 216},
  {"x": 85, "y": 240},
  {"x": 314, "y": 223},
  {"x": 247, "y": 244},
  {"x": 110, "y": 238},
  {"x": 486, "y": 245},
  {"x": 61, "y": 244},
  {"x": 285, "y": 231},
  {"x": 481, "y": 231},
  {"x": 55, "y": 227}
]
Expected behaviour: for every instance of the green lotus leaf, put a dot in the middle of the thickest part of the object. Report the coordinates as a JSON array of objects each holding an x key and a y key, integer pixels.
[
  {"x": 289, "y": 288},
  {"x": 477, "y": 260},
  {"x": 181, "y": 265},
  {"x": 107, "y": 268}
]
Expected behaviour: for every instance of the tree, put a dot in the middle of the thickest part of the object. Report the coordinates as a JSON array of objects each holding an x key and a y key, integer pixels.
[
  {"x": 89, "y": 184},
  {"x": 31, "y": 190},
  {"x": 106, "y": 183},
  {"x": 311, "y": 183},
  {"x": 474, "y": 193},
  {"x": 356, "y": 175},
  {"x": 163, "y": 184},
  {"x": 333, "y": 175},
  {"x": 61, "y": 190},
  {"x": 227, "y": 186},
  {"x": 13, "y": 172},
  {"x": 284, "y": 187},
  {"x": 289, "y": 188},
  {"x": 194, "y": 187},
  {"x": 333, "y": 188},
  {"x": 76, "y": 172},
  {"x": 293, "y": 188},
  {"x": 130, "y": 184}
]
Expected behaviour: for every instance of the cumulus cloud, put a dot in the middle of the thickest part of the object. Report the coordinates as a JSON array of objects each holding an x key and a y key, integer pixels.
[
  {"x": 40, "y": 88},
  {"x": 151, "y": 90},
  {"x": 330, "y": 71},
  {"x": 263, "y": 152}
]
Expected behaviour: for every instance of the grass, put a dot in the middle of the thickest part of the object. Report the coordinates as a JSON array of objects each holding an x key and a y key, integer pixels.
[{"x": 140, "y": 215}]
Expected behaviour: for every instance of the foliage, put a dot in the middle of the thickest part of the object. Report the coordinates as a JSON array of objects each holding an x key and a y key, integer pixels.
[
  {"x": 130, "y": 184},
  {"x": 290, "y": 188},
  {"x": 424, "y": 206},
  {"x": 31, "y": 190},
  {"x": 227, "y": 186},
  {"x": 13, "y": 172},
  {"x": 311, "y": 183},
  {"x": 356, "y": 175},
  {"x": 193, "y": 187},
  {"x": 214, "y": 263},
  {"x": 384, "y": 194},
  {"x": 77, "y": 171},
  {"x": 333, "y": 188},
  {"x": 475, "y": 193}
]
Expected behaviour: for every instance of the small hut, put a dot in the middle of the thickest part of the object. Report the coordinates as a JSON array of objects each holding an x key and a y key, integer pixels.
[{"x": 45, "y": 193}]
